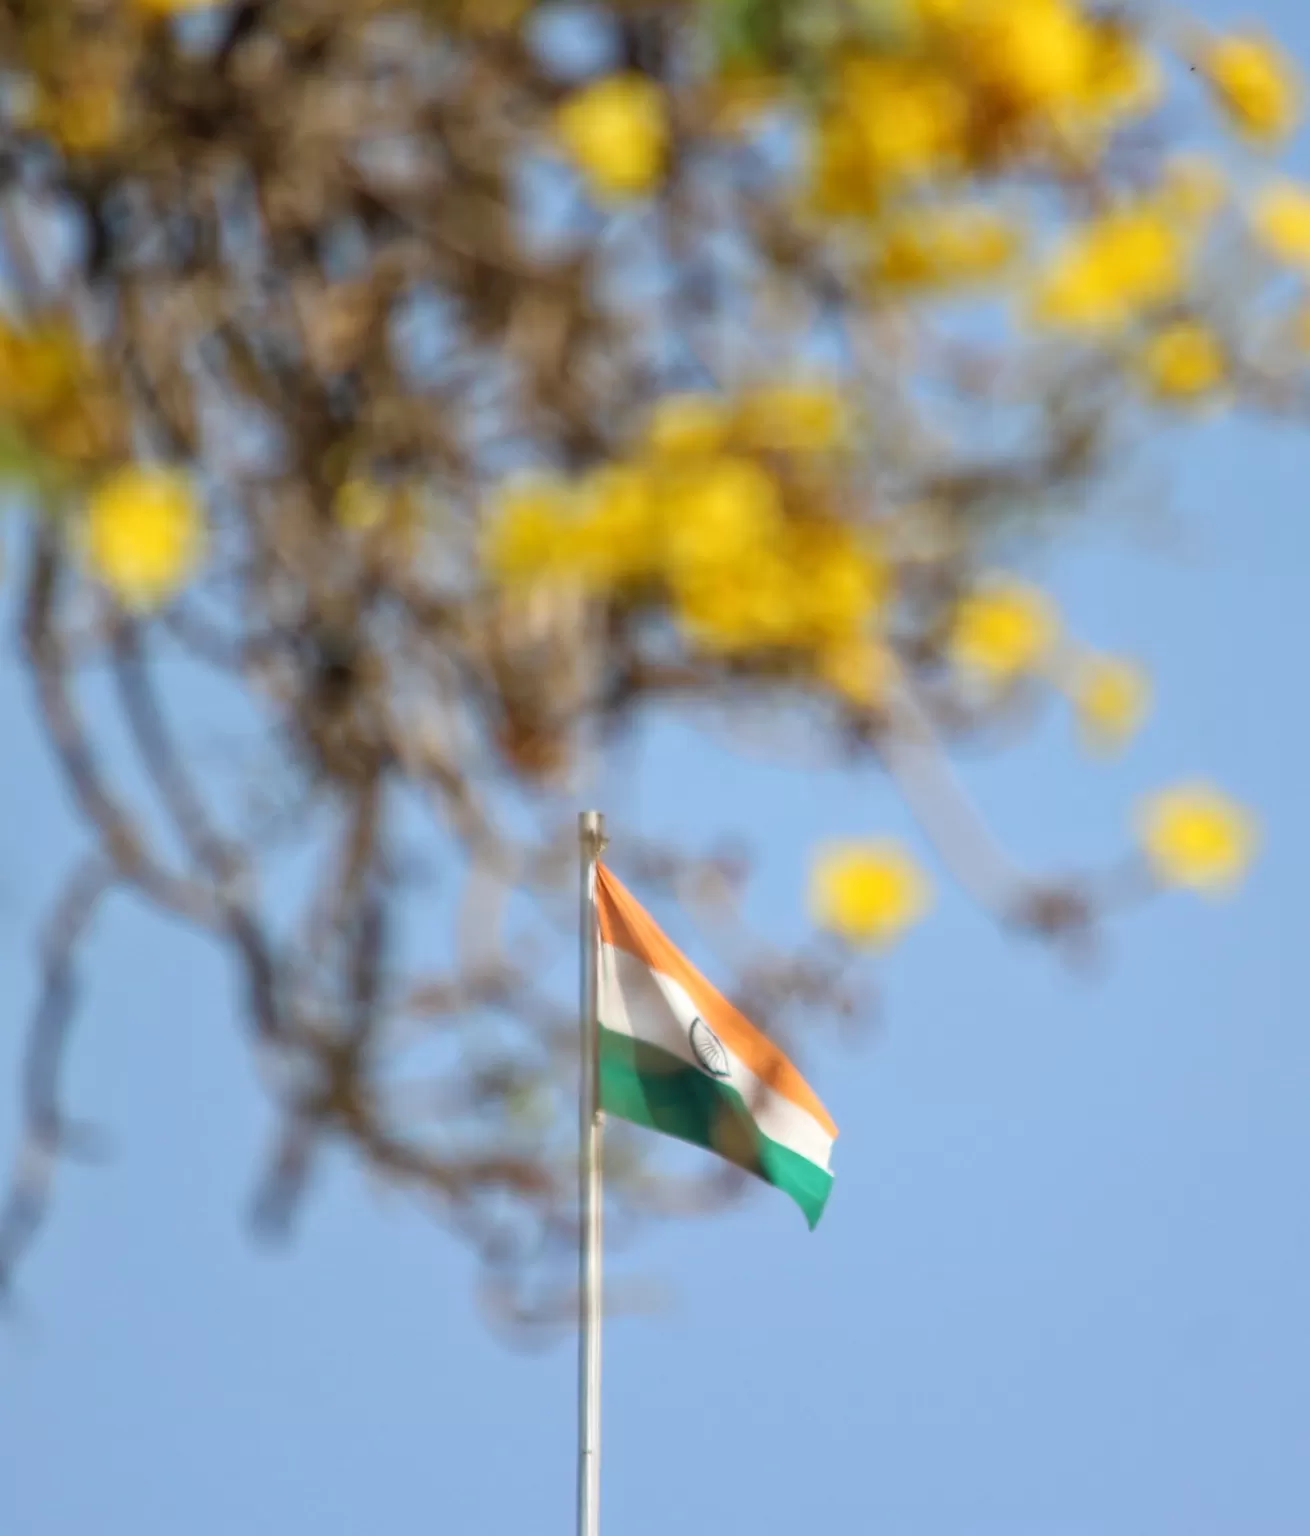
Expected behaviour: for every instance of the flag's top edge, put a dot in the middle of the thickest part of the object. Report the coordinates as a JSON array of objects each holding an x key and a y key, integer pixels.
[{"x": 626, "y": 925}]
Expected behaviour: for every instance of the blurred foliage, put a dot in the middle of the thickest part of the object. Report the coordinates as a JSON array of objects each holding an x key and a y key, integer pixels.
[{"x": 452, "y": 383}]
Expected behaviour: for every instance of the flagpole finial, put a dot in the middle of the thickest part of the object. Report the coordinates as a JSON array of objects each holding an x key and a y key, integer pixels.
[{"x": 591, "y": 831}]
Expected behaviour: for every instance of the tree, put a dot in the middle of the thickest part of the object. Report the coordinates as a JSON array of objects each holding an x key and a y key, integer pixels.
[{"x": 449, "y": 385}]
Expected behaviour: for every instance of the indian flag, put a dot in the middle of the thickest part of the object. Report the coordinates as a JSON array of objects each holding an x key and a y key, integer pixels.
[{"x": 675, "y": 1055}]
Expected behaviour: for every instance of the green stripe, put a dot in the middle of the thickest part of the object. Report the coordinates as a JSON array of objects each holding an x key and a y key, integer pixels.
[{"x": 650, "y": 1086}]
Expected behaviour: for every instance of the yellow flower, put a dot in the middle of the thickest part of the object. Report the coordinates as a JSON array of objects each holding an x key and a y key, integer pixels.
[
  {"x": 723, "y": 534},
  {"x": 1280, "y": 219},
  {"x": 615, "y": 536},
  {"x": 1002, "y": 629},
  {"x": 1112, "y": 269},
  {"x": 745, "y": 577},
  {"x": 749, "y": 607},
  {"x": 841, "y": 179},
  {"x": 39, "y": 369},
  {"x": 144, "y": 535},
  {"x": 1182, "y": 361},
  {"x": 1194, "y": 835},
  {"x": 791, "y": 418},
  {"x": 617, "y": 131},
  {"x": 927, "y": 249},
  {"x": 529, "y": 537},
  {"x": 1030, "y": 53},
  {"x": 84, "y": 117},
  {"x": 717, "y": 515},
  {"x": 894, "y": 120},
  {"x": 859, "y": 671},
  {"x": 687, "y": 425},
  {"x": 52, "y": 388},
  {"x": 868, "y": 892},
  {"x": 173, "y": 7},
  {"x": 839, "y": 581},
  {"x": 1255, "y": 83},
  {"x": 1122, "y": 78},
  {"x": 910, "y": 116},
  {"x": 360, "y": 505},
  {"x": 1111, "y": 696}
]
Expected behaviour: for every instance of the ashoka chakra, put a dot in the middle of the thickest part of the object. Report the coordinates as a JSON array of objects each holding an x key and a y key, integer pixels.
[{"x": 708, "y": 1049}]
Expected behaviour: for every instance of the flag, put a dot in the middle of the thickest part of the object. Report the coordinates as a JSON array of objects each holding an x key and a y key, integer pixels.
[{"x": 675, "y": 1055}]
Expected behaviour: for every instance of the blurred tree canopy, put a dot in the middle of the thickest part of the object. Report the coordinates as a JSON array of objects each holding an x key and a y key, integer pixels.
[{"x": 446, "y": 384}]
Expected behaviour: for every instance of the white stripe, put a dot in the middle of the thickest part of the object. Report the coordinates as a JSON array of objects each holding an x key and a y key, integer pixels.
[{"x": 636, "y": 1000}]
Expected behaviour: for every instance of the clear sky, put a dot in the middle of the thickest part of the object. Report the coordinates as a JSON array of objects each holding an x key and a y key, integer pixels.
[{"x": 1061, "y": 1286}]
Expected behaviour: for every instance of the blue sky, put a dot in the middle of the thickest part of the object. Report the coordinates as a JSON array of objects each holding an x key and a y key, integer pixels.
[{"x": 1060, "y": 1286}]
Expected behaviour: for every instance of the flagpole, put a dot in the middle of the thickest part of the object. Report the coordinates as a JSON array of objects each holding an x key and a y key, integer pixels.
[{"x": 591, "y": 840}]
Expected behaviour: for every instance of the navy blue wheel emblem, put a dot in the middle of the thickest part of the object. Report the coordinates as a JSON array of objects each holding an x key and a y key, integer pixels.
[{"x": 708, "y": 1049}]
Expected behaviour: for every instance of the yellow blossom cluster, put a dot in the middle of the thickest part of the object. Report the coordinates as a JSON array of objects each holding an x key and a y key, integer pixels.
[
  {"x": 895, "y": 121},
  {"x": 51, "y": 390},
  {"x": 927, "y": 249},
  {"x": 706, "y": 527},
  {"x": 720, "y": 510},
  {"x": 967, "y": 84},
  {"x": 963, "y": 86},
  {"x": 965, "y": 89},
  {"x": 83, "y": 112},
  {"x": 1114, "y": 268},
  {"x": 1254, "y": 83},
  {"x": 1132, "y": 261},
  {"x": 81, "y": 88}
]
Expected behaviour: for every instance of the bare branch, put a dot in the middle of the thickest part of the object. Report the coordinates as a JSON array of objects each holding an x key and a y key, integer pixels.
[{"x": 47, "y": 1134}]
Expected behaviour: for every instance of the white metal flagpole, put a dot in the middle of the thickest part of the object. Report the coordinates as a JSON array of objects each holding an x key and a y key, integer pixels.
[{"x": 591, "y": 839}]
